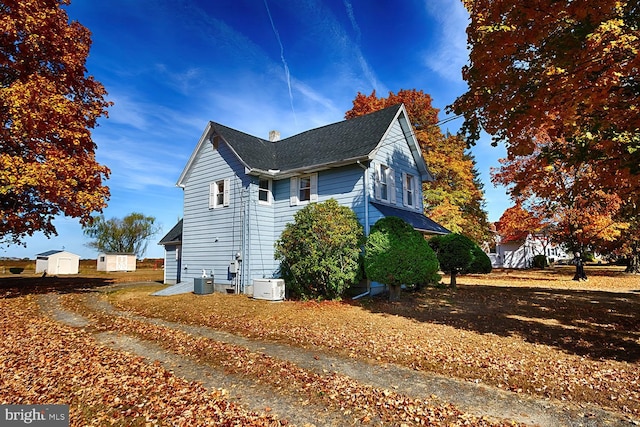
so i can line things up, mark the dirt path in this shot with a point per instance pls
(474, 399)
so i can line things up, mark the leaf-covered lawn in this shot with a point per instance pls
(43, 362)
(528, 332)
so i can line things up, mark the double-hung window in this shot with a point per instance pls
(409, 193)
(264, 191)
(219, 193)
(385, 189)
(304, 189)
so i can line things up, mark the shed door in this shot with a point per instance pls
(121, 262)
(64, 266)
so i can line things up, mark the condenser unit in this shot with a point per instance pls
(268, 289)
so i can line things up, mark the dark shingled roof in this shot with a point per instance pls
(173, 236)
(418, 220)
(349, 139)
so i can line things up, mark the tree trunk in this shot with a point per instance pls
(633, 264)
(454, 273)
(394, 293)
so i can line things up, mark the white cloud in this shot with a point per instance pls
(450, 53)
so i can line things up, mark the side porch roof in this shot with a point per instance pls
(418, 220)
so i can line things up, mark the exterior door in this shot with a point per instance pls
(121, 262)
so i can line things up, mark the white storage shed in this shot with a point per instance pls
(57, 262)
(116, 261)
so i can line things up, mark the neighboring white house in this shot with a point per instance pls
(116, 261)
(57, 262)
(519, 254)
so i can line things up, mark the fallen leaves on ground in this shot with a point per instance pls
(43, 362)
(545, 335)
(361, 403)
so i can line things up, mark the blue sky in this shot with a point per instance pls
(254, 65)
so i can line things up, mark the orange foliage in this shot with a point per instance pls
(516, 223)
(47, 108)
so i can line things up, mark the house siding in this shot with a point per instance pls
(258, 246)
(210, 237)
(399, 158)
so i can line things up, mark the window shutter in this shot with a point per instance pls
(392, 186)
(226, 198)
(293, 191)
(376, 181)
(405, 188)
(212, 195)
(314, 188)
(418, 193)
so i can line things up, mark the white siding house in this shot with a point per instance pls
(240, 190)
(519, 254)
(57, 262)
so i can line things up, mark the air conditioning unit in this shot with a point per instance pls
(268, 289)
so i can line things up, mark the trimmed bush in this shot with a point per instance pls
(458, 254)
(396, 254)
(320, 251)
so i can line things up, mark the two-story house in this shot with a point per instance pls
(241, 190)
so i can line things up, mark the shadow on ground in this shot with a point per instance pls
(592, 324)
(11, 287)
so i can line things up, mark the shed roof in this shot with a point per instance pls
(49, 253)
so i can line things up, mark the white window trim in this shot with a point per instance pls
(416, 191)
(391, 183)
(294, 190)
(269, 200)
(213, 194)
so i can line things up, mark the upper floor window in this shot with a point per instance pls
(219, 193)
(264, 191)
(385, 188)
(304, 189)
(409, 190)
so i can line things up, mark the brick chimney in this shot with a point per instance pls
(274, 136)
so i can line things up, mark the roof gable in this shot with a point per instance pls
(173, 236)
(332, 145)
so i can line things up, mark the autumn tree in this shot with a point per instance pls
(555, 70)
(561, 191)
(455, 199)
(126, 235)
(516, 224)
(48, 106)
(557, 83)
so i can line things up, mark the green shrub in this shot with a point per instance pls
(458, 254)
(396, 254)
(319, 252)
(540, 261)
(481, 262)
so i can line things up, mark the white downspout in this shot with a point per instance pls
(365, 197)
